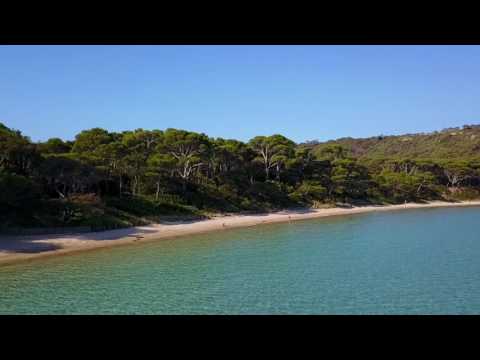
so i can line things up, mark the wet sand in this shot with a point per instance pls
(14, 249)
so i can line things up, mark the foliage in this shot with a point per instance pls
(455, 143)
(107, 179)
(19, 196)
(309, 192)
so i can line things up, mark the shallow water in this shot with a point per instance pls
(402, 262)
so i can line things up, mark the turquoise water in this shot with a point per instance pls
(405, 262)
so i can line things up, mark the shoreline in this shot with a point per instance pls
(15, 249)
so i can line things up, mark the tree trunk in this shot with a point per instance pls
(158, 190)
(135, 185)
(120, 183)
(419, 189)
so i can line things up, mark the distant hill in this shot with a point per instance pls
(451, 143)
(5, 129)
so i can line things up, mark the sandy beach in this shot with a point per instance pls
(14, 249)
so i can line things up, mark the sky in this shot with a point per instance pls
(301, 92)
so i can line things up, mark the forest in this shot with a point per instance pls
(108, 179)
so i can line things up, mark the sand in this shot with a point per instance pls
(15, 249)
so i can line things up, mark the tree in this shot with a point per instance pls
(54, 146)
(226, 158)
(17, 154)
(66, 175)
(139, 144)
(333, 152)
(456, 172)
(402, 186)
(113, 155)
(272, 152)
(88, 141)
(160, 166)
(407, 166)
(309, 192)
(349, 180)
(304, 166)
(188, 150)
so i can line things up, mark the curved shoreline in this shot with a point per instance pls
(25, 248)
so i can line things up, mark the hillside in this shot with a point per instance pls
(452, 143)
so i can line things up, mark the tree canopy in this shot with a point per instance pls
(129, 177)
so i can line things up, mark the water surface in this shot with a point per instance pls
(402, 262)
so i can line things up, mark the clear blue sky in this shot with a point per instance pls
(302, 92)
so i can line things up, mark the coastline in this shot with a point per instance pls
(15, 249)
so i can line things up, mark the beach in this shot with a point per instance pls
(15, 249)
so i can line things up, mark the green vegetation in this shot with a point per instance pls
(108, 180)
(453, 143)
